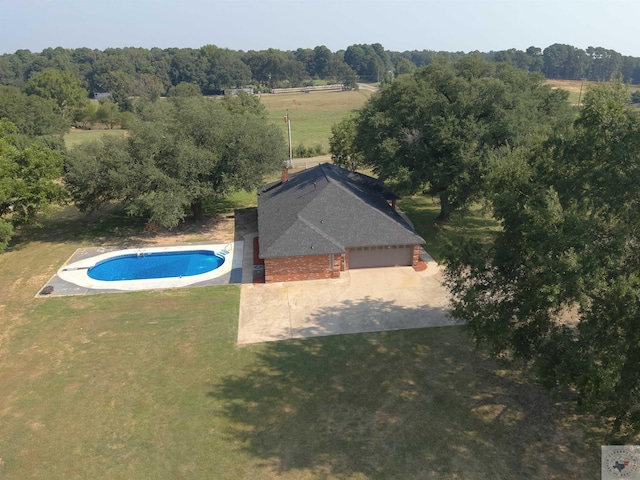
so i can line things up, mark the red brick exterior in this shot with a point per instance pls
(416, 256)
(311, 267)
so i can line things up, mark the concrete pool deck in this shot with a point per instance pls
(63, 283)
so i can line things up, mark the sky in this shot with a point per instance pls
(399, 25)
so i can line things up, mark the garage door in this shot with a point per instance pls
(371, 257)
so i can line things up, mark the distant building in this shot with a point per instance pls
(100, 95)
(236, 91)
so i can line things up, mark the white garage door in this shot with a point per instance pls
(371, 257)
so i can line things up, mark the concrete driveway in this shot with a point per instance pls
(367, 300)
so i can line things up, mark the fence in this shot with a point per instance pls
(336, 87)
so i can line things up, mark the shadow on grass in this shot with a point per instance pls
(68, 225)
(113, 226)
(404, 404)
(423, 210)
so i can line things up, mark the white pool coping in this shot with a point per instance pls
(77, 272)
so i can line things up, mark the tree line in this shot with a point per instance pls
(132, 71)
(558, 62)
(127, 72)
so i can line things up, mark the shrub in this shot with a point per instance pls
(300, 151)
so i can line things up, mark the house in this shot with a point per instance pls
(101, 95)
(324, 220)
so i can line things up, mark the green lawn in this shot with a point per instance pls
(151, 385)
(424, 209)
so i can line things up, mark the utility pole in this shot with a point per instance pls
(288, 122)
(580, 95)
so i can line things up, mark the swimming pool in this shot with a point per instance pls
(142, 266)
(152, 267)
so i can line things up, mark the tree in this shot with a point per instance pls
(29, 171)
(536, 61)
(564, 61)
(370, 62)
(340, 72)
(183, 152)
(434, 130)
(31, 114)
(184, 89)
(63, 88)
(558, 287)
(244, 103)
(103, 171)
(404, 66)
(321, 57)
(147, 87)
(87, 116)
(305, 56)
(187, 66)
(342, 144)
(120, 85)
(267, 66)
(107, 113)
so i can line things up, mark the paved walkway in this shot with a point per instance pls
(367, 300)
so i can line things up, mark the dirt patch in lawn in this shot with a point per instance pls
(216, 229)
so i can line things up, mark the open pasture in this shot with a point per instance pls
(578, 88)
(312, 114)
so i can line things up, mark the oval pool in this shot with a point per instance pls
(142, 266)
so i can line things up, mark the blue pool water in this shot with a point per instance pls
(156, 265)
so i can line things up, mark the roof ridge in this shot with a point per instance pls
(399, 220)
(321, 165)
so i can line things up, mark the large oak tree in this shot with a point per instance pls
(182, 153)
(29, 173)
(559, 287)
(436, 129)
(61, 87)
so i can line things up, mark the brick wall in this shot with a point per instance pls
(416, 256)
(312, 267)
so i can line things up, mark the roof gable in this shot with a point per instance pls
(327, 209)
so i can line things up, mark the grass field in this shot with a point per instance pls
(77, 136)
(577, 88)
(312, 114)
(151, 385)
